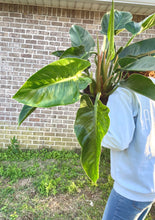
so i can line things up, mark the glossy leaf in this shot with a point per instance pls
(79, 36)
(141, 85)
(139, 48)
(138, 27)
(58, 83)
(120, 19)
(77, 52)
(91, 125)
(126, 61)
(148, 22)
(25, 112)
(133, 27)
(58, 53)
(144, 64)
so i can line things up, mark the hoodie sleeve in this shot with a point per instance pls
(122, 123)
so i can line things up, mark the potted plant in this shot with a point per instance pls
(69, 79)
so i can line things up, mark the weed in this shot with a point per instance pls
(46, 185)
(72, 188)
(7, 190)
(14, 146)
(13, 216)
(4, 209)
(11, 171)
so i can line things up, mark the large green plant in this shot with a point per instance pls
(69, 79)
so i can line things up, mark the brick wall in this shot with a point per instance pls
(28, 35)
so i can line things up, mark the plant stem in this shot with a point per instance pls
(130, 41)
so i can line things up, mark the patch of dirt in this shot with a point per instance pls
(67, 203)
(24, 182)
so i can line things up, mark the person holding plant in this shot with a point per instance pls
(131, 139)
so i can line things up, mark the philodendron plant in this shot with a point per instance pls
(69, 79)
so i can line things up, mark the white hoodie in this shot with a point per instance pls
(131, 138)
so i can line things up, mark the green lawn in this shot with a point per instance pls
(46, 184)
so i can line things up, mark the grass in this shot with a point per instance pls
(46, 185)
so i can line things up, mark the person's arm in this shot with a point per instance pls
(122, 123)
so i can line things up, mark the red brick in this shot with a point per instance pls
(14, 14)
(31, 41)
(88, 21)
(54, 23)
(26, 36)
(7, 29)
(6, 39)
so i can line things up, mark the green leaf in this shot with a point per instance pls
(141, 85)
(77, 52)
(142, 64)
(91, 124)
(25, 112)
(126, 61)
(139, 48)
(133, 27)
(139, 27)
(58, 53)
(110, 34)
(120, 19)
(58, 83)
(79, 36)
(148, 22)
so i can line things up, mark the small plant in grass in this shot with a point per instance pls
(7, 190)
(72, 188)
(13, 216)
(13, 172)
(14, 146)
(46, 185)
(69, 79)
